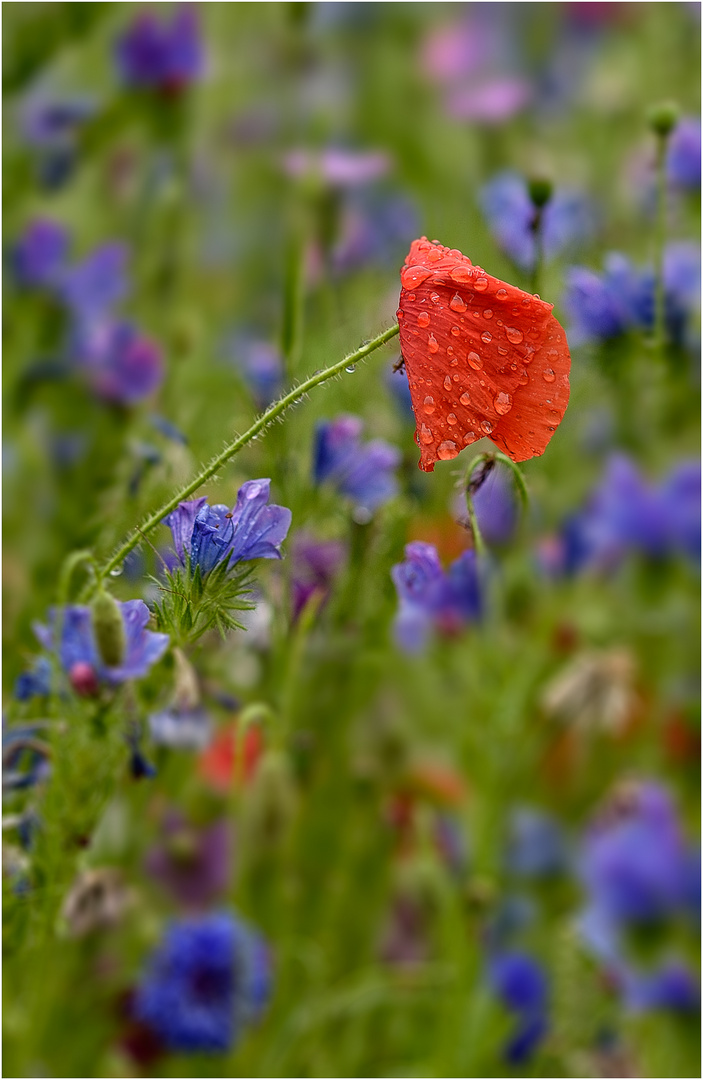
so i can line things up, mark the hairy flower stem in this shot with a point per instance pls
(488, 459)
(266, 418)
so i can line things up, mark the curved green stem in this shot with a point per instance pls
(266, 418)
(481, 459)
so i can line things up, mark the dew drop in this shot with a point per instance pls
(435, 298)
(502, 293)
(548, 375)
(465, 398)
(481, 284)
(487, 426)
(486, 338)
(434, 255)
(350, 369)
(454, 362)
(514, 335)
(475, 361)
(447, 383)
(432, 344)
(503, 403)
(523, 378)
(423, 319)
(470, 437)
(117, 571)
(502, 351)
(428, 406)
(526, 302)
(426, 435)
(455, 378)
(447, 450)
(455, 331)
(488, 314)
(412, 276)
(461, 274)
(399, 314)
(451, 418)
(457, 304)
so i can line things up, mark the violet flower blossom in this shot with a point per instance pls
(364, 472)
(156, 54)
(432, 599)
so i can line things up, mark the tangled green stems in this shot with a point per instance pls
(482, 459)
(259, 425)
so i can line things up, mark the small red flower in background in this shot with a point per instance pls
(218, 764)
(483, 358)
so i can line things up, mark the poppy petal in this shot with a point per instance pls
(482, 358)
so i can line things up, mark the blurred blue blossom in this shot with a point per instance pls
(512, 217)
(431, 598)
(683, 163)
(521, 984)
(122, 364)
(39, 256)
(496, 507)
(51, 126)
(70, 635)
(364, 472)
(672, 987)
(89, 289)
(34, 683)
(193, 865)
(336, 166)
(160, 55)
(181, 727)
(25, 756)
(606, 306)
(208, 978)
(376, 228)
(261, 364)
(210, 535)
(316, 564)
(536, 845)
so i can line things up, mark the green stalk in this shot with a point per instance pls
(266, 418)
(659, 243)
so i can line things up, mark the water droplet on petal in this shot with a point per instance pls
(451, 418)
(447, 383)
(412, 276)
(447, 450)
(465, 398)
(548, 375)
(455, 331)
(434, 255)
(488, 314)
(481, 284)
(486, 338)
(470, 437)
(502, 293)
(426, 435)
(423, 319)
(428, 406)
(455, 362)
(457, 304)
(435, 298)
(487, 426)
(461, 274)
(503, 403)
(513, 335)
(475, 361)
(523, 378)
(432, 344)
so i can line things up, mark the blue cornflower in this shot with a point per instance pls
(683, 162)
(70, 634)
(160, 55)
(39, 256)
(210, 535)
(512, 216)
(431, 598)
(364, 472)
(207, 979)
(521, 984)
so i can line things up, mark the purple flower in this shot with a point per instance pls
(207, 979)
(192, 864)
(635, 864)
(70, 635)
(492, 101)
(512, 218)
(51, 123)
(672, 987)
(39, 256)
(680, 499)
(536, 845)
(91, 288)
(34, 683)
(432, 599)
(496, 507)
(181, 728)
(338, 168)
(362, 472)
(261, 364)
(375, 229)
(521, 984)
(207, 536)
(316, 564)
(159, 55)
(26, 759)
(122, 365)
(683, 163)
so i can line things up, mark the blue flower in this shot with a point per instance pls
(39, 256)
(160, 55)
(70, 635)
(521, 984)
(375, 229)
(181, 728)
(683, 162)
(34, 683)
(210, 535)
(51, 127)
(261, 364)
(25, 756)
(122, 365)
(92, 287)
(432, 599)
(207, 979)
(536, 845)
(511, 215)
(364, 472)
(496, 507)
(672, 987)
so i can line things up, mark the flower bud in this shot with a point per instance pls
(663, 117)
(108, 627)
(83, 679)
(540, 190)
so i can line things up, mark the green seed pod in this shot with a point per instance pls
(108, 627)
(540, 190)
(663, 117)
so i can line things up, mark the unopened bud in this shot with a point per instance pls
(108, 627)
(83, 679)
(187, 688)
(663, 117)
(540, 190)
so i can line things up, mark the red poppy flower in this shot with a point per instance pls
(482, 358)
(220, 763)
